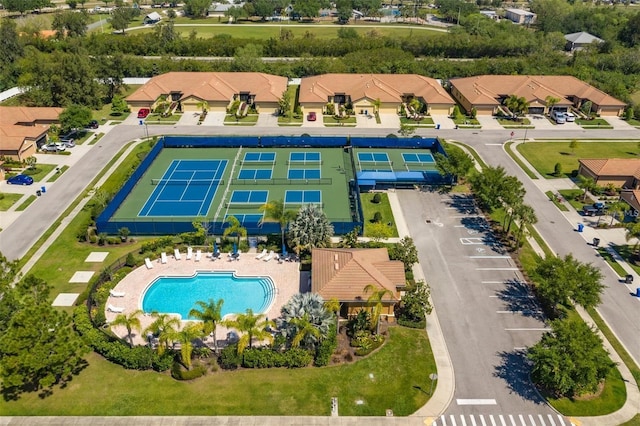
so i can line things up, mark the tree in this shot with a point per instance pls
(250, 326)
(569, 360)
(491, 188)
(586, 184)
(196, 8)
(130, 322)
(305, 310)
(305, 330)
(633, 232)
(284, 104)
(234, 13)
(617, 208)
(275, 211)
(121, 17)
(586, 107)
(455, 164)
(31, 162)
(527, 216)
(118, 106)
(248, 58)
(376, 105)
(185, 337)
(333, 305)
(406, 252)
(375, 302)
(263, 9)
(310, 229)
(204, 106)
(406, 130)
(75, 117)
(551, 102)
(573, 145)
(517, 105)
(345, 11)
(210, 313)
(164, 326)
(561, 280)
(307, 8)
(350, 239)
(70, 23)
(234, 228)
(415, 304)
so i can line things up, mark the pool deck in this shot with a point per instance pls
(286, 277)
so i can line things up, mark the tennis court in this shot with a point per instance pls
(249, 197)
(299, 197)
(186, 188)
(259, 157)
(305, 157)
(421, 158)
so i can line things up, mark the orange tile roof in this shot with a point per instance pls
(389, 88)
(14, 115)
(612, 166)
(212, 86)
(488, 89)
(13, 135)
(343, 273)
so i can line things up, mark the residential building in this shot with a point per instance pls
(362, 91)
(487, 93)
(621, 172)
(24, 129)
(191, 91)
(578, 41)
(343, 273)
(520, 16)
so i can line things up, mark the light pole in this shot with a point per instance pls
(146, 129)
(524, 139)
(433, 377)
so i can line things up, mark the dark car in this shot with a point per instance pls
(93, 124)
(143, 112)
(311, 116)
(597, 209)
(20, 180)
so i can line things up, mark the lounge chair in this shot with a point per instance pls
(114, 293)
(148, 263)
(261, 255)
(280, 258)
(268, 258)
(176, 254)
(163, 257)
(215, 255)
(189, 253)
(198, 256)
(115, 309)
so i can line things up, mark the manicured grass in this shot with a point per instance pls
(96, 139)
(26, 203)
(104, 114)
(554, 199)
(55, 177)
(633, 122)
(396, 377)
(571, 194)
(596, 122)
(369, 209)
(330, 120)
(424, 121)
(522, 122)
(40, 171)
(173, 118)
(7, 200)
(544, 155)
(293, 121)
(611, 261)
(519, 161)
(466, 121)
(633, 422)
(249, 120)
(627, 253)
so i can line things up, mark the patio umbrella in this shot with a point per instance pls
(215, 247)
(284, 250)
(235, 248)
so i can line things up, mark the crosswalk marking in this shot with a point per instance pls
(502, 420)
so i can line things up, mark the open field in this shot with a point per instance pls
(544, 155)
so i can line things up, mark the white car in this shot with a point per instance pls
(569, 116)
(53, 147)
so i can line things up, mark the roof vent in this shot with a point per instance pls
(336, 266)
(335, 257)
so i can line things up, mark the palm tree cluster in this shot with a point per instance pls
(304, 320)
(310, 229)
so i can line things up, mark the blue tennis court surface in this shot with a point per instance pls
(186, 189)
(304, 157)
(246, 217)
(304, 174)
(370, 157)
(418, 158)
(255, 174)
(303, 196)
(260, 157)
(249, 197)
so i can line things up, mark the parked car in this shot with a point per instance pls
(53, 147)
(311, 116)
(597, 209)
(569, 117)
(68, 140)
(559, 117)
(20, 180)
(93, 124)
(143, 112)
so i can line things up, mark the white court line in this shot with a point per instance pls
(477, 401)
(490, 257)
(497, 269)
(527, 329)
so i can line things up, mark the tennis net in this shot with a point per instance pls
(187, 182)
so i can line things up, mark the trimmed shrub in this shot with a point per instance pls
(411, 324)
(179, 373)
(557, 169)
(156, 244)
(262, 358)
(377, 198)
(377, 217)
(297, 358)
(326, 348)
(229, 358)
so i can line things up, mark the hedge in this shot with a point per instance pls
(178, 373)
(412, 324)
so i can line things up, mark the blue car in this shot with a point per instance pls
(20, 180)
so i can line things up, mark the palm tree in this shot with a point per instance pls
(333, 305)
(307, 332)
(633, 231)
(551, 102)
(275, 211)
(527, 216)
(310, 229)
(164, 326)
(235, 228)
(130, 321)
(375, 301)
(617, 208)
(376, 105)
(186, 336)
(517, 105)
(250, 326)
(210, 313)
(204, 105)
(586, 184)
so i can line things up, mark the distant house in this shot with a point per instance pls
(220, 9)
(491, 14)
(343, 273)
(520, 16)
(23, 130)
(189, 90)
(632, 197)
(621, 172)
(362, 90)
(152, 18)
(486, 93)
(577, 41)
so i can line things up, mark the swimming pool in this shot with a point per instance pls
(178, 295)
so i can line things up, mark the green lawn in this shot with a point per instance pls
(554, 199)
(7, 200)
(26, 203)
(596, 122)
(626, 252)
(249, 120)
(104, 114)
(571, 194)
(424, 121)
(396, 377)
(330, 120)
(173, 118)
(544, 155)
(521, 123)
(466, 121)
(611, 261)
(520, 163)
(40, 171)
(369, 209)
(55, 177)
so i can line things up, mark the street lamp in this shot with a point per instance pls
(146, 129)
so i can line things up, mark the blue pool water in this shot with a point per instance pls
(178, 295)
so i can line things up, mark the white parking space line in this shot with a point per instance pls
(477, 401)
(472, 240)
(520, 348)
(444, 421)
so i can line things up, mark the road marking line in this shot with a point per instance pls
(478, 401)
(527, 329)
(491, 282)
(473, 421)
(482, 420)
(502, 420)
(497, 269)
(464, 422)
(551, 420)
(513, 422)
(493, 144)
(465, 216)
(444, 421)
(562, 423)
(542, 420)
(521, 417)
(453, 420)
(533, 422)
(490, 257)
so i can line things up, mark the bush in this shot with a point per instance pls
(326, 348)
(557, 169)
(297, 358)
(179, 373)
(131, 260)
(377, 217)
(156, 244)
(412, 324)
(262, 358)
(377, 198)
(229, 358)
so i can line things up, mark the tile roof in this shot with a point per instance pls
(632, 198)
(343, 273)
(13, 135)
(389, 88)
(612, 166)
(582, 38)
(488, 89)
(15, 115)
(212, 86)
